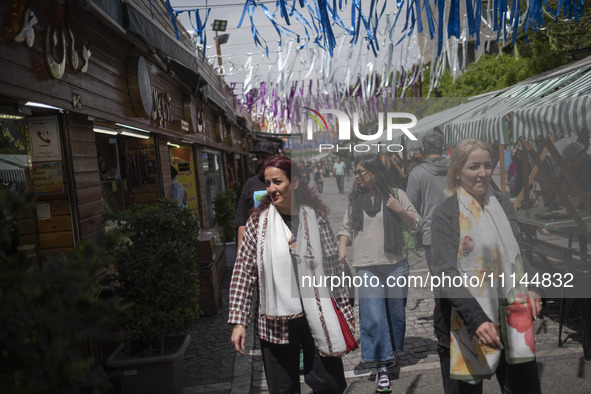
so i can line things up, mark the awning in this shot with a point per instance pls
(493, 121)
(142, 24)
(563, 112)
(151, 31)
(12, 168)
(429, 123)
(211, 94)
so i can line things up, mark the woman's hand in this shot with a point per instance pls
(487, 334)
(394, 204)
(536, 303)
(239, 338)
(343, 247)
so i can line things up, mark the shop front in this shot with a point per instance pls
(96, 109)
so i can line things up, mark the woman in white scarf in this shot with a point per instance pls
(288, 249)
(484, 329)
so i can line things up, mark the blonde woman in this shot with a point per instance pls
(482, 330)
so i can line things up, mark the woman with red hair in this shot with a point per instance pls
(288, 247)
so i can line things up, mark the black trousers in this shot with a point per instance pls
(512, 378)
(282, 364)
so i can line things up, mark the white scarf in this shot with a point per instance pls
(281, 296)
(487, 246)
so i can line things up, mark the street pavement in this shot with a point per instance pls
(212, 365)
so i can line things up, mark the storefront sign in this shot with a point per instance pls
(47, 178)
(45, 139)
(140, 86)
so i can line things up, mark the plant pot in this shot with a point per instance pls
(149, 375)
(230, 254)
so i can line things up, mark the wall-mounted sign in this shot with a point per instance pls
(45, 139)
(47, 178)
(140, 87)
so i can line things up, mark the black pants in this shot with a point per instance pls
(282, 364)
(512, 378)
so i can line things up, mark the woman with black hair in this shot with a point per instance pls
(378, 222)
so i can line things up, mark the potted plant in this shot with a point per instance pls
(49, 312)
(225, 210)
(156, 273)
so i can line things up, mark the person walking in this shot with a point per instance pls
(487, 329)
(426, 186)
(254, 188)
(378, 220)
(289, 237)
(319, 177)
(339, 171)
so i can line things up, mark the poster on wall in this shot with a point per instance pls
(182, 160)
(47, 178)
(45, 139)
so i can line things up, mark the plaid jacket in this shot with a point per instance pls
(245, 279)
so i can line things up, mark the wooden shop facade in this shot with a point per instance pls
(98, 100)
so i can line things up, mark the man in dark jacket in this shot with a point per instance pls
(426, 185)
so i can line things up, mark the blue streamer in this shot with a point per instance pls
(477, 17)
(470, 15)
(453, 24)
(515, 18)
(441, 6)
(429, 14)
(172, 18)
(250, 5)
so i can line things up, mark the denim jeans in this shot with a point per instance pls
(382, 315)
(341, 183)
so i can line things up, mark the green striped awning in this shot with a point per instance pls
(563, 112)
(493, 122)
(541, 88)
(429, 123)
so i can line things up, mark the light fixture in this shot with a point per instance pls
(105, 130)
(41, 105)
(219, 25)
(173, 145)
(132, 128)
(132, 134)
(11, 117)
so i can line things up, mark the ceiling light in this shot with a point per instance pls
(132, 128)
(173, 145)
(104, 130)
(40, 105)
(136, 135)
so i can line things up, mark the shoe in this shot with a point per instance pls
(383, 382)
(545, 231)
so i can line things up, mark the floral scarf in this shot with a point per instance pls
(488, 251)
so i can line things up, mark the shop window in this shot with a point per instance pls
(212, 179)
(185, 184)
(14, 169)
(128, 171)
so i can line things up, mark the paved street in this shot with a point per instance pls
(212, 366)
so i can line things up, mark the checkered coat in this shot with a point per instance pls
(245, 279)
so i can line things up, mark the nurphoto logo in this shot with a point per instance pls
(344, 130)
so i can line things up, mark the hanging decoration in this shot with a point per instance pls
(382, 47)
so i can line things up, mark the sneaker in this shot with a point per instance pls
(383, 382)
